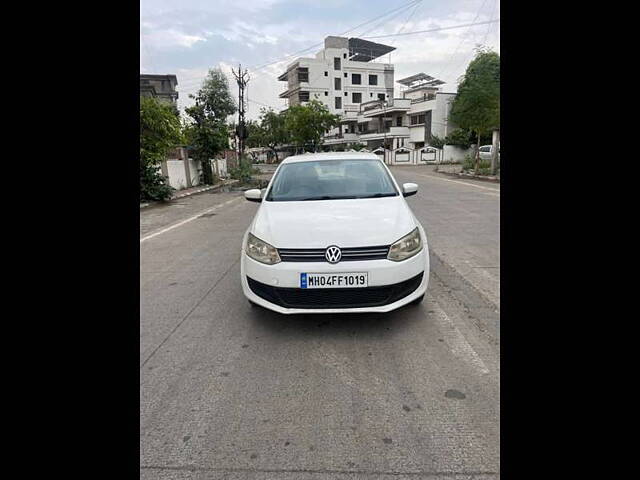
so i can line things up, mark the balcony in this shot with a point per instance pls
(390, 132)
(375, 108)
(425, 98)
(349, 116)
(344, 138)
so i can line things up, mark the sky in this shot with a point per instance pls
(188, 37)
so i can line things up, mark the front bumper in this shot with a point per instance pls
(395, 278)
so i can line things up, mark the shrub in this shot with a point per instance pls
(160, 131)
(153, 186)
(243, 171)
(468, 163)
(459, 138)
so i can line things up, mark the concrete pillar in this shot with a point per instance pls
(164, 170)
(494, 151)
(187, 171)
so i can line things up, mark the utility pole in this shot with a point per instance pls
(242, 78)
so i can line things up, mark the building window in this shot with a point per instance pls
(345, 74)
(345, 94)
(373, 79)
(303, 96)
(370, 94)
(398, 121)
(338, 103)
(344, 55)
(356, 97)
(303, 74)
(326, 94)
(336, 63)
(356, 79)
(417, 119)
(337, 84)
(381, 96)
(326, 74)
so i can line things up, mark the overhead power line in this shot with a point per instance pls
(462, 40)
(411, 15)
(403, 7)
(435, 29)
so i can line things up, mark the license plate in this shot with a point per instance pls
(334, 280)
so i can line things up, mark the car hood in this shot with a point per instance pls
(346, 223)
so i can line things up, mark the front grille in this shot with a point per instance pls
(348, 254)
(335, 297)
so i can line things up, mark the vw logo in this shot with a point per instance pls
(333, 254)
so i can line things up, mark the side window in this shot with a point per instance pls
(337, 84)
(338, 102)
(336, 63)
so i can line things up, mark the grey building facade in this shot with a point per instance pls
(162, 87)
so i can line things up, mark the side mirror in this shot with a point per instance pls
(253, 195)
(409, 189)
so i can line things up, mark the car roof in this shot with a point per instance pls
(314, 157)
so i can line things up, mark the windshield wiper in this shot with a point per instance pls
(328, 197)
(378, 195)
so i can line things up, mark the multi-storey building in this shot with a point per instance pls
(410, 120)
(342, 75)
(162, 87)
(347, 79)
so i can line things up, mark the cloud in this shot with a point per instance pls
(191, 36)
(166, 39)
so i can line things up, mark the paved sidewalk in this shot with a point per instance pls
(193, 190)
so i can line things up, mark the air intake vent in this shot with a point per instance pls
(348, 254)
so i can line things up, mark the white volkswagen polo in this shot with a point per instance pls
(334, 234)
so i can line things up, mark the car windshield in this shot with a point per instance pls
(331, 180)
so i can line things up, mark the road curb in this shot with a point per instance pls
(468, 176)
(200, 190)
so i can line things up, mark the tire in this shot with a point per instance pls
(418, 300)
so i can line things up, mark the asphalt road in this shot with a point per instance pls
(231, 392)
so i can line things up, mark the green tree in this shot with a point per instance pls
(477, 105)
(308, 123)
(436, 142)
(271, 132)
(459, 137)
(160, 131)
(208, 132)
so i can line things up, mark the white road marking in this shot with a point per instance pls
(190, 219)
(457, 342)
(463, 183)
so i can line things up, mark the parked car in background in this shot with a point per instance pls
(485, 152)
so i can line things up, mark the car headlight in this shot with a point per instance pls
(261, 251)
(406, 247)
